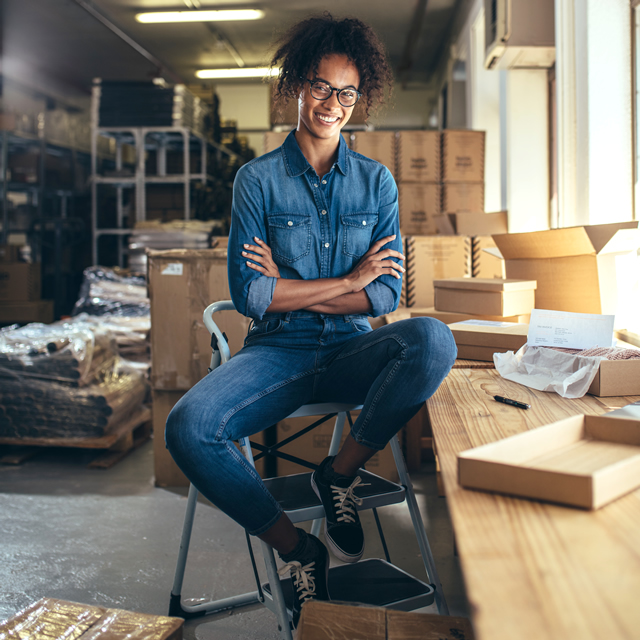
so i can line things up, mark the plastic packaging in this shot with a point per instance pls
(103, 291)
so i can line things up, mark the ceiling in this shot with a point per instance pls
(70, 42)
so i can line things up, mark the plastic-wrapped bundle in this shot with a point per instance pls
(32, 408)
(103, 291)
(72, 353)
(131, 333)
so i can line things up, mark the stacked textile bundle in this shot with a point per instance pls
(64, 380)
(32, 408)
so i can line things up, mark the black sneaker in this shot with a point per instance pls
(342, 528)
(309, 574)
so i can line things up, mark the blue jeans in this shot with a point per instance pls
(294, 359)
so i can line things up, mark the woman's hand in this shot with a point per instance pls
(261, 255)
(374, 263)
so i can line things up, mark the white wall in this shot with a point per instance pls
(408, 109)
(595, 134)
(527, 148)
(248, 104)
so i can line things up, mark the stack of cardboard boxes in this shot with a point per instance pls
(20, 290)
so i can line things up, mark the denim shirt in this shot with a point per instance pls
(316, 228)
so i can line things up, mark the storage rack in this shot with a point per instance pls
(159, 139)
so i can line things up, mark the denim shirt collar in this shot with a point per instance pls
(297, 164)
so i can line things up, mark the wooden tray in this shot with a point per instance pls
(584, 461)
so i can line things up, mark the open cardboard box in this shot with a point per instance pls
(479, 339)
(582, 461)
(485, 296)
(591, 269)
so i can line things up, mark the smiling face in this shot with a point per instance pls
(325, 118)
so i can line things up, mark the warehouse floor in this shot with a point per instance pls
(111, 538)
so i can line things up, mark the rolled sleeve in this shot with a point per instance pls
(260, 296)
(251, 291)
(384, 292)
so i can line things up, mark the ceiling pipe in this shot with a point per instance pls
(161, 66)
(412, 41)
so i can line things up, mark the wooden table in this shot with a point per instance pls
(533, 570)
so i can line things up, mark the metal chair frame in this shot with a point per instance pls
(275, 599)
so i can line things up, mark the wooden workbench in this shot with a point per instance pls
(533, 570)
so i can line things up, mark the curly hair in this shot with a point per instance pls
(306, 43)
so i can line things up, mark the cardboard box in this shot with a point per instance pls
(583, 461)
(472, 224)
(418, 154)
(20, 281)
(480, 339)
(430, 258)
(167, 473)
(483, 263)
(463, 156)
(50, 618)
(273, 140)
(25, 312)
(591, 269)
(485, 296)
(462, 197)
(419, 205)
(182, 283)
(314, 447)
(617, 378)
(9, 253)
(331, 621)
(378, 145)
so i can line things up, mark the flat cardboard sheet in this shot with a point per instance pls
(48, 619)
(583, 461)
(338, 621)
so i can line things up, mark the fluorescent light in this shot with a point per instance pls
(245, 72)
(199, 16)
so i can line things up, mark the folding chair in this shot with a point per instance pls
(375, 582)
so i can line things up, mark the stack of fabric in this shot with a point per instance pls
(64, 380)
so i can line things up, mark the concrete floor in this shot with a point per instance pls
(110, 538)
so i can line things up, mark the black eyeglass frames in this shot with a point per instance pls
(321, 90)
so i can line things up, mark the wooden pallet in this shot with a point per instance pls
(123, 439)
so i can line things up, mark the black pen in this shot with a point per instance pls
(513, 403)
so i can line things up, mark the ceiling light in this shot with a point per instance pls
(199, 16)
(245, 72)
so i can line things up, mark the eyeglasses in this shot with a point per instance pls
(323, 91)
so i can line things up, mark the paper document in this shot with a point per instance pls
(569, 330)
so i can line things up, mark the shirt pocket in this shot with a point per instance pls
(290, 235)
(357, 230)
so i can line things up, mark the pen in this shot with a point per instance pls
(513, 403)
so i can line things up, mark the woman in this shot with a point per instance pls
(314, 249)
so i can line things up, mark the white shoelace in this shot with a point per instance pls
(303, 580)
(346, 500)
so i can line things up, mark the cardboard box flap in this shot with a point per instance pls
(188, 254)
(614, 238)
(571, 241)
(485, 284)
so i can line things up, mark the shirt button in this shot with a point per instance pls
(326, 245)
(363, 222)
(324, 182)
(315, 184)
(323, 212)
(290, 223)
